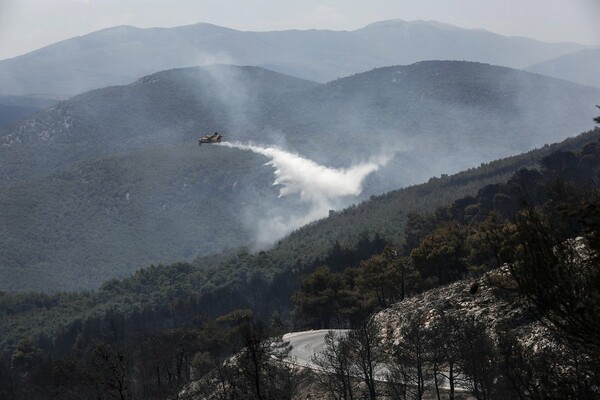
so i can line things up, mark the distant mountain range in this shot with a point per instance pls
(122, 54)
(112, 180)
(581, 66)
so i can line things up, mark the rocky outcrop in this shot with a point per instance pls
(489, 299)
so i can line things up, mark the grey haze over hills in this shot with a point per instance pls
(443, 104)
(15, 108)
(120, 55)
(112, 180)
(581, 66)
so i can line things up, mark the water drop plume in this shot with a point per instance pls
(321, 187)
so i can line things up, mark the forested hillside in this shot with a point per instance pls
(453, 114)
(411, 111)
(171, 107)
(361, 230)
(125, 161)
(102, 219)
(386, 214)
(202, 312)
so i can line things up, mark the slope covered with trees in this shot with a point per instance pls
(191, 307)
(88, 153)
(387, 214)
(101, 219)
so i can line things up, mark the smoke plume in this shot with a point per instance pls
(320, 187)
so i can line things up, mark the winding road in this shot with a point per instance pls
(306, 344)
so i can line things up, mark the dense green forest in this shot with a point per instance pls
(116, 336)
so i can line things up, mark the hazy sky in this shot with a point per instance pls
(26, 25)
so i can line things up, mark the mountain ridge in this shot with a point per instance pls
(580, 67)
(251, 103)
(63, 69)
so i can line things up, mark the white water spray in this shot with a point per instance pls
(321, 187)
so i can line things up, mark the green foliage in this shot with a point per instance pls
(442, 254)
(416, 228)
(378, 278)
(321, 296)
(462, 234)
(328, 299)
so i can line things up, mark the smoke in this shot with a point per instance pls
(319, 187)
